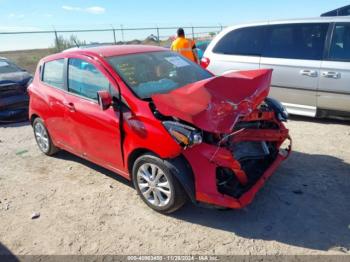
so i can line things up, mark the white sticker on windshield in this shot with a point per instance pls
(3, 63)
(177, 61)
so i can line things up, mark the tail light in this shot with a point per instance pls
(205, 62)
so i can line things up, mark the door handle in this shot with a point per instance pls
(311, 73)
(334, 75)
(70, 107)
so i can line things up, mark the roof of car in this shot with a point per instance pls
(116, 50)
(328, 19)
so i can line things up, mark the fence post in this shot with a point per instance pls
(115, 39)
(57, 41)
(158, 39)
(193, 33)
(122, 31)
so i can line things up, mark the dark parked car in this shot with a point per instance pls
(13, 92)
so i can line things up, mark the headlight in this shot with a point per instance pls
(280, 110)
(183, 134)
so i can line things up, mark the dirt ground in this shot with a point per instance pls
(84, 209)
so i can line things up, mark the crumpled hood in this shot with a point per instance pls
(216, 103)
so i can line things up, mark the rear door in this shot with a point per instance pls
(94, 132)
(239, 49)
(53, 90)
(294, 52)
(334, 87)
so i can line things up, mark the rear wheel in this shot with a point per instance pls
(156, 184)
(43, 138)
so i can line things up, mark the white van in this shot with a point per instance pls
(310, 59)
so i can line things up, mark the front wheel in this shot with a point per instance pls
(156, 184)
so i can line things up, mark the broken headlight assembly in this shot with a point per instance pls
(280, 110)
(185, 135)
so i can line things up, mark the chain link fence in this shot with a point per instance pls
(27, 47)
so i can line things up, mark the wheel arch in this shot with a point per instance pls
(32, 118)
(179, 166)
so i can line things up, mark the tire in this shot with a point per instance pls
(167, 189)
(42, 138)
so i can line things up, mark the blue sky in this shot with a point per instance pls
(19, 15)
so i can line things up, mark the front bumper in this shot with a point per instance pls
(14, 108)
(205, 159)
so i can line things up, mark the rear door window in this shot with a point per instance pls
(340, 46)
(84, 79)
(244, 41)
(296, 41)
(53, 73)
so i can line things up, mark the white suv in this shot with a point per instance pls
(310, 58)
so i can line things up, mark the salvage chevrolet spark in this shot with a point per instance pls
(156, 118)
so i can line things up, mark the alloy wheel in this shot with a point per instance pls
(41, 136)
(154, 184)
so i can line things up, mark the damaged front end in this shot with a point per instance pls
(232, 134)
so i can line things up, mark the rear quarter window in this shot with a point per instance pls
(243, 41)
(53, 72)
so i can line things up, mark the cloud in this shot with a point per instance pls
(97, 10)
(71, 8)
(13, 15)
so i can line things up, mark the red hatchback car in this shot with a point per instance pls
(156, 118)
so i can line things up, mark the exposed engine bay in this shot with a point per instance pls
(253, 156)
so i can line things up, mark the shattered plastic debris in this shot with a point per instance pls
(35, 215)
(21, 152)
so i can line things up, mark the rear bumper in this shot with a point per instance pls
(205, 159)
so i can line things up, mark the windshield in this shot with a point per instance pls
(7, 67)
(156, 72)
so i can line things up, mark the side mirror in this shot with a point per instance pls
(104, 99)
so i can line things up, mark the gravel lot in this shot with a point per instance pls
(84, 209)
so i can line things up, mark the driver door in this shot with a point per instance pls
(93, 132)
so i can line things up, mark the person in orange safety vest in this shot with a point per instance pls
(184, 46)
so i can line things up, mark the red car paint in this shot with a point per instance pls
(213, 105)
